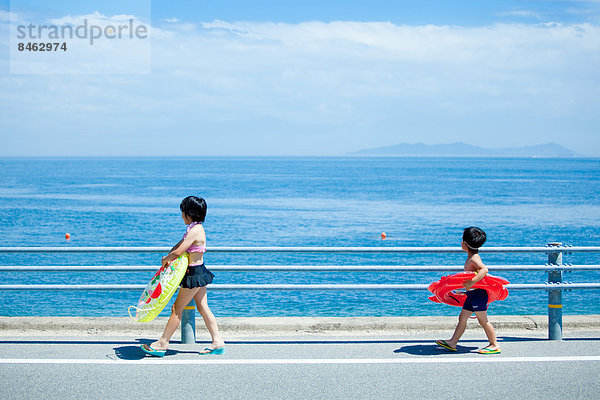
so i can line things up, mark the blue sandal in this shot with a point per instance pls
(146, 348)
(218, 351)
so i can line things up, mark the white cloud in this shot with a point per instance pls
(521, 13)
(9, 16)
(94, 18)
(4, 16)
(381, 59)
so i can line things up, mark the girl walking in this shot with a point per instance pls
(193, 285)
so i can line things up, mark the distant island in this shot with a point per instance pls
(460, 149)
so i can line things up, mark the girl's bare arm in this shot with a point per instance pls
(174, 247)
(180, 248)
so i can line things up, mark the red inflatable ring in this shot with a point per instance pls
(445, 290)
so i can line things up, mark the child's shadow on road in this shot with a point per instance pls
(135, 352)
(431, 350)
(129, 353)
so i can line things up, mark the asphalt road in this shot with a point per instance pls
(302, 367)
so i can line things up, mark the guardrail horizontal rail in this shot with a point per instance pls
(554, 249)
(294, 268)
(517, 286)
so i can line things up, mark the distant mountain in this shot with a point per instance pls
(460, 149)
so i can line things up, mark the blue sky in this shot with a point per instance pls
(440, 12)
(317, 78)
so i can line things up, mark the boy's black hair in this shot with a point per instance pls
(194, 207)
(474, 238)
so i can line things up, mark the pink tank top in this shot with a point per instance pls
(192, 248)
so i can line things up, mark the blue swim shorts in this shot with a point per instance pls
(477, 300)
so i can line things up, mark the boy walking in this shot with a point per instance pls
(477, 299)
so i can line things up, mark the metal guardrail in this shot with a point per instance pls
(307, 249)
(295, 286)
(296, 268)
(554, 267)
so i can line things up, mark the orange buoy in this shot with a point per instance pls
(383, 235)
(67, 236)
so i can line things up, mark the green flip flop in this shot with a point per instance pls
(487, 350)
(444, 344)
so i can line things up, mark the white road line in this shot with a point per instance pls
(214, 361)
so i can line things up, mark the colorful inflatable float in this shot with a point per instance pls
(450, 290)
(159, 290)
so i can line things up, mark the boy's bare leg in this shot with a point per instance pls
(183, 298)
(463, 317)
(488, 328)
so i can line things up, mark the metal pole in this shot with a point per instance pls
(188, 323)
(555, 295)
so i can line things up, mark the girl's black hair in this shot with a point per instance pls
(194, 207)
(474, 237)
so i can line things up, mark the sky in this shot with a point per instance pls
(317, 78)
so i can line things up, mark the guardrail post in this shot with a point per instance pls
(555, 296)
(188, 323)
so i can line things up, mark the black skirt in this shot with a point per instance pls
(196, 276)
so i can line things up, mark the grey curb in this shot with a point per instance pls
(10, 326)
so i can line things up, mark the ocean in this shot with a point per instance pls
(296, 201)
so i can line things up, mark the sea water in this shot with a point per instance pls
(299, 201)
